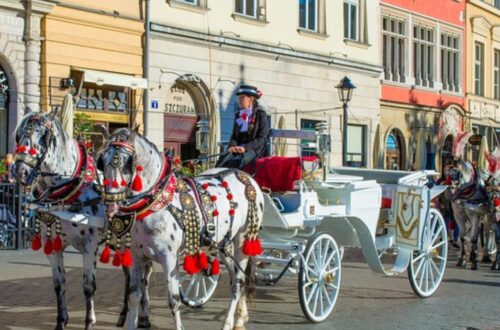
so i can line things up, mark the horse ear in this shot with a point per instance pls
(102, 129)
(169, 153)
(54, 112)
(135, 129)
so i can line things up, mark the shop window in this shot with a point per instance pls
(394, 49)
(423, 56)
(356, 146)
(308, 125)
(104, 98)
(450, 62)
(479, 69)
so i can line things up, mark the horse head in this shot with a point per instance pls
(130, 166)
(35, 137)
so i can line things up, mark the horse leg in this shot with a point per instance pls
(89, 255)
(59, 279)
(143, 311)
(168, 262)
(123, 313)
(458, 211)
(474, 240)
(496, 262)
(134, 293)
(246, 295)
(237, 285)
(487, 240)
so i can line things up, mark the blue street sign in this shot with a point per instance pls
(154, 104)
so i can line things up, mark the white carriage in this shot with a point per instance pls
(305, 230)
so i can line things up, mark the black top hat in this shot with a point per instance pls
(249, 90)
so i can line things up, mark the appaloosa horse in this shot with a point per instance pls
(61, 176)
(493, 190)
(157, 214)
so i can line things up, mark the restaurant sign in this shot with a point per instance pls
(178, 101)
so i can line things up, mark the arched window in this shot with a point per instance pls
(394, 150)
(4, 112)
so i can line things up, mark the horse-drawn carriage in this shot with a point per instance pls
(303, 228)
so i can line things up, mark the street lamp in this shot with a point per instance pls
(345, 88)
(323, 144)
(202, 137)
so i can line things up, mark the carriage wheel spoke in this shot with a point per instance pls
(420, 256)
(327, 295)
(333, 270)
(316, 296)
(320, 298)
(438, 244)
(335, 287)
(311, 293)
(330, 257)
(419, 266)
(189, 288)
(324, 254)
(437, 234)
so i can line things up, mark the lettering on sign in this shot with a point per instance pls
(178, 101)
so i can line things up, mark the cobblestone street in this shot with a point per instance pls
(465, 300)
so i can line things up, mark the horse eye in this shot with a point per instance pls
(100, 163)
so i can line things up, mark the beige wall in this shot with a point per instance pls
(77, 36)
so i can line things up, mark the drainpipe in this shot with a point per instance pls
(146, 67)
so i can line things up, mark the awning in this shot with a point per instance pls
(111, 78)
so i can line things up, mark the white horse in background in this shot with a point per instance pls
(61, 176)
(493, 191)
(219, 211)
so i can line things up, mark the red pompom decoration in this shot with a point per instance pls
(36, 243)
(215, 268)
(32, 151)
(496, 202)
(115, 184)
(105, 255)
(57, 245)
(230, 196)
(177, 161)
(106, 182)
(123, 183)
(190, 265)
(139, 168)
(213, 198)
(231, 212)
(137, 183)
(48, 248)
(205, 186)
(224, 184)
(127, 259)
(117, 260)
(22, 149)
(202, 261)
(215, 213)
(252, 248)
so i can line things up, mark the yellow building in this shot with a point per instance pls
(483, 68)
(93, 49)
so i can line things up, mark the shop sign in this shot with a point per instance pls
(178, 101)
(106, 117)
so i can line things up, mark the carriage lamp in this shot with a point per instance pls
(202, 136)
(345, 88)
(323, 143)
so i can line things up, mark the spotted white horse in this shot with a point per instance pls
(61, 176)
(470, 203)
(493, 191)
(219, 212)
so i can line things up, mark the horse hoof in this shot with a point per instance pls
(475, 266)
(495, 266)
(486, 259)
(121, 321)
(461, 263)
(143, 322)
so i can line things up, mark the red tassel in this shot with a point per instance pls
(48, 248)
(213, 198)
(127, 258)
(32, 151)
(190, 265)
(496, 202)
(58, 246)
(224, 184)
(36, 243)
(205, 186)
(215, 213)
(106, 182)
(115, 184)
(123, 183)
(139, 168)
(230, 196)
(252, 248)
(22, 149)
(137, 183)
(202, 261)
(105, 255)
(117, 260)
(231, 212)
(215, 267)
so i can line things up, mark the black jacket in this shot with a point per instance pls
(258, 132)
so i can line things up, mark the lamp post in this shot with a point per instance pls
(345, 88)
(323, 144)
(202, 137)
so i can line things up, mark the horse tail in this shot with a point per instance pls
(250, 279)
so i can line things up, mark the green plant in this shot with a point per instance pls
(82, 126)
(3, 167)
(193, 168)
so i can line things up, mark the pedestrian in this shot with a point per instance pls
(250, 131)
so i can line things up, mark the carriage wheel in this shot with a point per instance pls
(196, 290)
(427, 265)
(319, 277)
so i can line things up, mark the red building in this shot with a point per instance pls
(423, 83)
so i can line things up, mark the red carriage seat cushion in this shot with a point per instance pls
(278, 173)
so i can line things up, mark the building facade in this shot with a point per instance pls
(93, 50)
(422, 104)
(295, 51)
(483, 69)
(20, 41)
